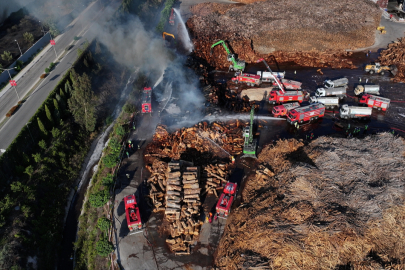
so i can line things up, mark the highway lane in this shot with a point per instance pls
(30, 76)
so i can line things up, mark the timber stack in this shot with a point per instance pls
(214, 177)
(395, 55)
(157, 184)
(183, 207)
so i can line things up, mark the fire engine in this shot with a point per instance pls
(172, 16)
(307, 113)
(282, 110)
(226, 199)
(375, 102)
(147, 100)
(249, 79)
(132, 213)
(281, 96)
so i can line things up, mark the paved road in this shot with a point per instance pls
(29, 76)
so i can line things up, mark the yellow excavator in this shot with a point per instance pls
(379, 69)
(167, 34)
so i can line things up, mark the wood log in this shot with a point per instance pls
(172, 187)
(161, 185)
(174, 174)
(217, 176)
(173, 205)
(174, 183)
(173, 192)
(191, 186)
(191, 196)
(190, 182)
(170, 241)
(171, 210)
(172, 197)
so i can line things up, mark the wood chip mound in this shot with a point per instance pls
(336, 202)
(395, 55)
(263, 28)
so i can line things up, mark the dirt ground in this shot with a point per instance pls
(332, 203)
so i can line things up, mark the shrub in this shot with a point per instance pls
(43, 76)
(103, 224)
(47, 70)
(51, 65)
(111, 160)
(129, 108)
(99, 198)
(12, 110)
(104, 247)
(120, 131)
(28, 37)
(6, 56)
(19, 65)
(108, 180)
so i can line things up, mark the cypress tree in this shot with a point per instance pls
(57, 115)
(62, 94)
(68, 87)
(55, 103)
(48, 114)
(42, 127)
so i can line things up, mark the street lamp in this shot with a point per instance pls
(53, 45)
(42, 27)
(8, 70)
(18, 46)
(30, 131)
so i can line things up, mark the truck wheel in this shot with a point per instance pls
(236, 82)
(379, 109)
(371, 72)
(382, 72)
(301, 121)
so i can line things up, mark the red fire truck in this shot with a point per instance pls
(375, 102)
(306, 113)
(172, 16)
(249, 79)
(282, 110)
(147, 100)
(226, 199)
(132, 213)
(281, 96)
(289, 84)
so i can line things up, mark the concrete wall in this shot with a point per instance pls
(34, 48)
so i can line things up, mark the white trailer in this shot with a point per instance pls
(329, 102)
(336, 83)
(267, 76)
(347, 112)
(326, 92)
(367, 89)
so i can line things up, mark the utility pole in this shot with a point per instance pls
(53, 45)
(18, 46)
(8, 70)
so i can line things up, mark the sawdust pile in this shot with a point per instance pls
(294, 27)
(395, 55)
(336, 202)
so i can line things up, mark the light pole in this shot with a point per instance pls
(18, 46)
(42, 28)
(53, 46)
(8, 70)
(30, 131)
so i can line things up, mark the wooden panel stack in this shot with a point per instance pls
(173, 191)
(214, 177)
(185, 224)
(157, 184)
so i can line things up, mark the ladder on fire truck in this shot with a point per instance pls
(271, 74)
(249, 147)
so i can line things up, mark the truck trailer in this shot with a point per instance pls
(132, 214)
(329, 102)
(326, 92)
(226, 199)
(289, 84)
(367, 89)
(269, 76)
(283, 109)
(249, 79)
(379, 103)
(347, 112)
(307, 113)
(280, 96)
(336, 83)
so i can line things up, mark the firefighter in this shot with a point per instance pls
(233, 160)
(210, 219)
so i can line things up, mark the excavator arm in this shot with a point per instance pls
(223, 45)
(238, 65)
(167, 34)
(271, 73)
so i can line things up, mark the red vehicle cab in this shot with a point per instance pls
(172, 16)
(226, 199)
(147, 100)
(132, 213)
(377, 102)
(307, 113)
(283, 109)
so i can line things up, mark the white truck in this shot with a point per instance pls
(336, 83)
(340, 92)
(367, 89)
(267, 76)
(329, 102)
(347, 112)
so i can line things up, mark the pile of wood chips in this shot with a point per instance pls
(334, 202)
(201, 137)
(183, 207)
(395, 55)
(284, 30)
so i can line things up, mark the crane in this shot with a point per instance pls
(167, 34)
(249, 147)
(271, 72)
(237, 65)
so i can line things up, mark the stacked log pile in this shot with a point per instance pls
(268, 28)
(321, 206)
(157, 184)
(201, 137)
(395, 55)
(214, 177)
(183, 208)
